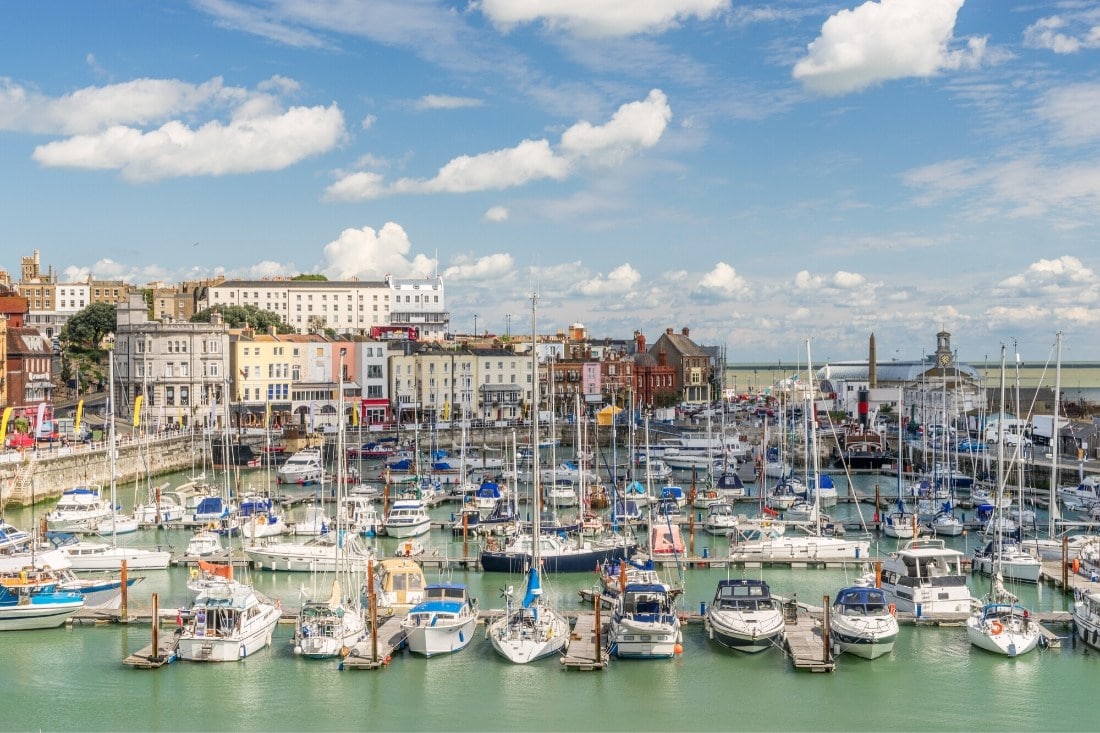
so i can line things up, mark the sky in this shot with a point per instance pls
(766, 174)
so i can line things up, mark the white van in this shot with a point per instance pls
(1016, 432)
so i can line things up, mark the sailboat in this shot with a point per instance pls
(814, 545)
(330, 627)
(1002, 625)
(533, 630)
(91, 555)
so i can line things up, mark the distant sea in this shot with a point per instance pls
(1080, 380)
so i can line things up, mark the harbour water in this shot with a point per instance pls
(72, 678)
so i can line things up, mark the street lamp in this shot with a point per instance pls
(475, 325)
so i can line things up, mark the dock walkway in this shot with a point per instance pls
(145, 658)
(587, 649)
(391, 640)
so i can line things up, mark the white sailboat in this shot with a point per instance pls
(91, 555)
(533, 630)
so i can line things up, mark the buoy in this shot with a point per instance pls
(678, 649)
(1076, 565)
(996, 628)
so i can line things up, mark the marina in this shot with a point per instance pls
(412, 692)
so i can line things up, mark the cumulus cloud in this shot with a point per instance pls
(443, 101)
(722, 283)
(634, 126)
(623, 279)
(496, 214)
(371, 255)
(603, 18)
(490, 267)
(885, 40)
(1064, 34)
(129, 127)
(1065, 279)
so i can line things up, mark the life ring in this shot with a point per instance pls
(996, 628)
(194, 573)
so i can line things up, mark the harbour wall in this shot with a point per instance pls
(32, 477)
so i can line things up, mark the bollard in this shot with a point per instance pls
(706, 552)
(702, 608)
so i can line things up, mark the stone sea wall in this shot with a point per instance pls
(56, 468)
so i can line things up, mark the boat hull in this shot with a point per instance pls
(580, 562)
(37, 615)
(194, 648)
(429, 641)
(750, 636)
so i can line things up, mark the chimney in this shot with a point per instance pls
(872, 370)
(668, 331)
(639, 342)
(685, 331)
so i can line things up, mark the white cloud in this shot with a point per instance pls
(622, 280)
(634, 126)
(370, 255)
(1059, 281)
(723, 283)
(885, 40)
(94, 109)
(368, 122)
(129, 127)
(1064, 34)
(244, 145)
(496, 214)
(1075, 111)
(602, 18)
(488, 268)
(443, 101)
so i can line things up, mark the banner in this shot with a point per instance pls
(4, 424)
(355, 413)
(137, 410)
(78, 418)
(41, 417)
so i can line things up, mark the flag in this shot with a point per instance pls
(79, 416)
(137, 410)
(41, 414)
(4, 424)
(213, 410)
(355, 413)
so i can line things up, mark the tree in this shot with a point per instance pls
(241, 316)
(86, 329)
(306, 276)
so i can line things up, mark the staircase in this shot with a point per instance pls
(19, 490)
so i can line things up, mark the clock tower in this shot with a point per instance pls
(943, 349)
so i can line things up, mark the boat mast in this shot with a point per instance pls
(536, 520)
(1052, 516)
(812, 441)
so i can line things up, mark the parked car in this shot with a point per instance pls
(972, 445)
(20, 440)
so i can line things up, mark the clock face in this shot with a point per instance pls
(945, 359)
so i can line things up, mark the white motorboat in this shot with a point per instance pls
(313, 521)
(204, 543)
(946, 524)
(1086, 617)
(80, 509)
(926, 578)
(721, 519)
(400, 583)
(443, 622)
(227, 622)
(1015, 563)
(744, 616)
(88, 555)
(303, 467)
(327, 553)
(862, 622)
(407, 518)
(645, 624)
(32, 606)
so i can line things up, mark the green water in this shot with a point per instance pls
(73, 678)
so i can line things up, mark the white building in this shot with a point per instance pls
(345, 306)
(181, 368)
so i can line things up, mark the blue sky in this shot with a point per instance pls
(762, 173)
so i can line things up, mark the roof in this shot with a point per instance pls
(892, 371)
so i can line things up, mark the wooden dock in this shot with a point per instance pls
(391, 640)
(586, 652)
(805, 641)
(146, 658)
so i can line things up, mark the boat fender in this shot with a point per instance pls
(194, 573)
(344, 651)
(996, 628)
(893, 610)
